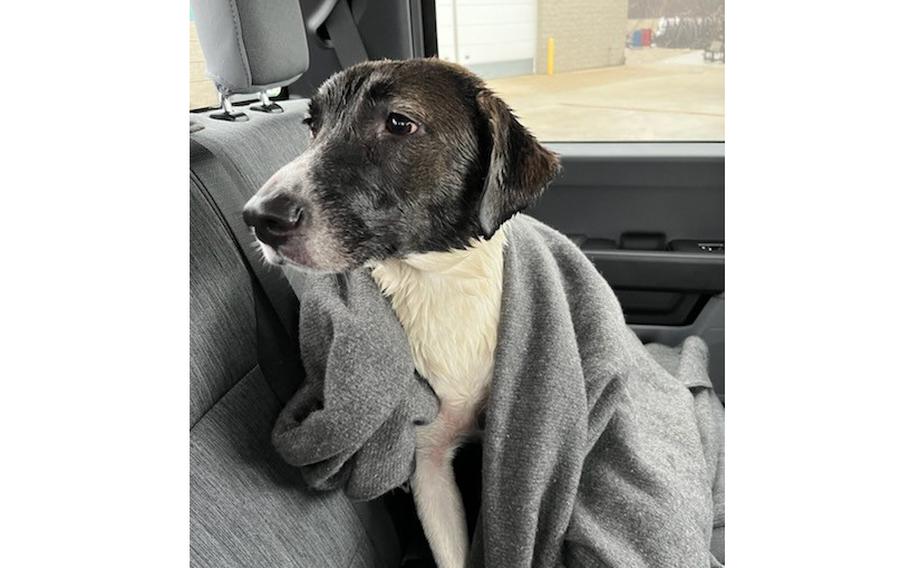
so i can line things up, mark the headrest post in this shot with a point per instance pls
(227, 111)
(267, 104)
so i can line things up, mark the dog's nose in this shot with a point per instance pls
(274, 218)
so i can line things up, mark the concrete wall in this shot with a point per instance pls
(588, 33)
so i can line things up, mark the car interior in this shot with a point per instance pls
(649, 215)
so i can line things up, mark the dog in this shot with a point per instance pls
(413, 171)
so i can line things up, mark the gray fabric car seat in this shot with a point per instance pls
(247, 507)
(252, 150)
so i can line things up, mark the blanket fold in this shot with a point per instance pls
(597, 451)
(352, 424)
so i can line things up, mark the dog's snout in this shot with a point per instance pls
(274, 218)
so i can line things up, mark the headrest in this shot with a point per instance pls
(251, 45)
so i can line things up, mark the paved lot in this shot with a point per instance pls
(659, 94)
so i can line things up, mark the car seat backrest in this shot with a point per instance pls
(247, 507)
(257, 148)
(222, 314)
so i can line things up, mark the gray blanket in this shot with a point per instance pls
(597, 451)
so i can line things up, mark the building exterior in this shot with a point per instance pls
(587, 33)
(500, 38)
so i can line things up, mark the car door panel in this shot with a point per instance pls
(650, 217)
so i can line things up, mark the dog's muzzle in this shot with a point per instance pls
(274, 218)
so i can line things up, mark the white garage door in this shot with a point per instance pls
(495, 38)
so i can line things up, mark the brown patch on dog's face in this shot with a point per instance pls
(406, 157)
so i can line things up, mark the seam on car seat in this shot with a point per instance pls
(205, 191)
(227, 161)
(241, 181)
(244, 377)
(357, 555)
(253, 283)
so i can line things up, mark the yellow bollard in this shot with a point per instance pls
(551, 55)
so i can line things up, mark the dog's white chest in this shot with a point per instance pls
(449, 305)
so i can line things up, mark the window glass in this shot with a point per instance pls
(596, 70)
(202, 91)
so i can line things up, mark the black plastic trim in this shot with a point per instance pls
(658, 270)
(428, 21)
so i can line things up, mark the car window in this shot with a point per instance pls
(202, 91)
(596, 70)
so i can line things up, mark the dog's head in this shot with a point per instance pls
(406, 157)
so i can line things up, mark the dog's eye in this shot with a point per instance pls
(400, 125)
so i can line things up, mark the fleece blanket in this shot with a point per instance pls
(597, 450)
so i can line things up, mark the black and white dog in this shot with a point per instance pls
(413, 170)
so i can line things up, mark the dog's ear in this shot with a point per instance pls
(520, 168)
